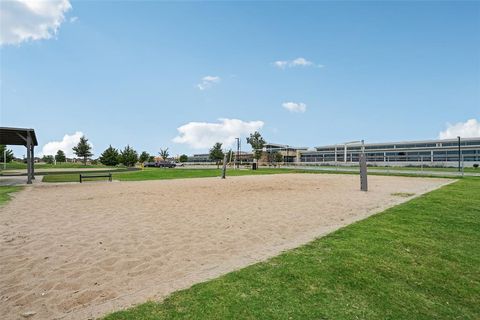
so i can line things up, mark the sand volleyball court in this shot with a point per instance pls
(78, 251)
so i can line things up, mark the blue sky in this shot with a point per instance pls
(129, 72)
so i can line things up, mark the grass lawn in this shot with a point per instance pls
(435, 169)
(5, 192)
(164, 173)
(14, 165)
(181, 173)
(418, 260)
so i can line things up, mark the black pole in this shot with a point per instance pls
(459, 155)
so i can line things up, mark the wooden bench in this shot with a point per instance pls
(105, 175)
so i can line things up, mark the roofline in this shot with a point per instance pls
(399, 142)
(34, 136)
(285, 146)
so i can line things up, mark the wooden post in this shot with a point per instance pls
(363, 170)
(224, 167)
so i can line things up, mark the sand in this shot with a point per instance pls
(78, 251)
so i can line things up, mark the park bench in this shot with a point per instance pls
(105, 175)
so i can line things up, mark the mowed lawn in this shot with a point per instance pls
(164, 173)
(6, 191)
(418, 260)
(183, 173)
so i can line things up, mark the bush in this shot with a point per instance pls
(128, 156)
(475, 165)
(48, 159)
(109, 157)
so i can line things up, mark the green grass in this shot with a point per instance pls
(410, 168)
(161, 174)
(14, 165)
(181, 173)
(5, 192)
(449, 169)
(418, 260)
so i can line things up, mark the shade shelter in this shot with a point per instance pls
(21, 137)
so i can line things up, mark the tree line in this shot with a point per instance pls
(129, 156)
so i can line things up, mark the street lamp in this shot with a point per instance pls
(459, 154)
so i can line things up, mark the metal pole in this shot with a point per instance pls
(29, 159)
(287, 154)
(459, 155)
(238, 153)
(33, 162)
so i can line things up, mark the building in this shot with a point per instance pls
(200, 158)
(289, 153)
(426, 152)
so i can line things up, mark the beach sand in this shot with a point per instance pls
(79, 251)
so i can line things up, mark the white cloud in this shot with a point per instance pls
(73, 19)
(25, 20)
(66, 145)
(295, 106)
(298, 62)
(202, 135)
(282, 64)
(467, 129)
(207, 82)
(301, 62)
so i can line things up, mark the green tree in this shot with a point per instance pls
(128, 156)
(151, 159)
(230, 155)
(48, 159)
(8, 153)
(257, 142)
(83, 149)
(216, 154)
(60, 156)
(183, 158)
(277, 157)
(164, 153)
(109, 157)
(144, 156)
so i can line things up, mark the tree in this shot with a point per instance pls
(164, 153)
(109, 157)
(216, 154)
(278, 157)
(151, 159)
(83, 149)
(230, 155)
(144, 156)
(8, 153)
(183, 158)
(128, 156)
(47, 159)
(60, 156)
(257, 142)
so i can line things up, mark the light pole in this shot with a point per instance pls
(459, 154)
(287, 154)
(238, 153)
